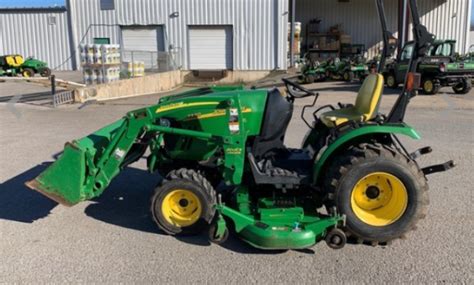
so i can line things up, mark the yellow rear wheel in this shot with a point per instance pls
(382, 192)
(379, 199)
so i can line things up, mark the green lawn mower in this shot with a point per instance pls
(351, 177)
(12, 65)
(347, 69)
(313, 70)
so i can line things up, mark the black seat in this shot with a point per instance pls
(277, 116)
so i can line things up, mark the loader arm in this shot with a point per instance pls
(88, 165)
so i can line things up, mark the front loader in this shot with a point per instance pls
(351, 177)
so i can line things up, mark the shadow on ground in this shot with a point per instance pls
(126, 203)
(21, 204)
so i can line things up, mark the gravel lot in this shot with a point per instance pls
(113, 239)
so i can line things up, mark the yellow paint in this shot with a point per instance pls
(233, 151)
(181, 208)
(180, 105)
(389, 204)
(365, 105)
(216, 113)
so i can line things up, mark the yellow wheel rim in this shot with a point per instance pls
(428, 86)
(379, 199)
(346, 76)
(26, 74)
(181, 208)
(390, 81)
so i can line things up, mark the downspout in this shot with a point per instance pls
(72, 34)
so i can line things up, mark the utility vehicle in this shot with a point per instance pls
(351, 177)
(16, 64)
(439, 68)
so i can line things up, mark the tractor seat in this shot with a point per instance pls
(366, 105)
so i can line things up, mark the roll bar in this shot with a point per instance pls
(423, 40)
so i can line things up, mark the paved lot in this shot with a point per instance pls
(113, 239)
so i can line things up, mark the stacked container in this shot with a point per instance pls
(136, 68)
(100, 63)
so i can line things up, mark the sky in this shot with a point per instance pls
(39, 3)
(30, 3)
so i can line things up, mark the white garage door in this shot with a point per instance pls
(210, 47)
(142, 44)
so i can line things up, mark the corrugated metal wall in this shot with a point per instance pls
(30, 34)
(447, 19)
(444, 18)
(259, 27)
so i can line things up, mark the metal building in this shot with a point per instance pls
(447, 19)
(207, 34)
(38, 32)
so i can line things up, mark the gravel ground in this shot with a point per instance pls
(113, 239)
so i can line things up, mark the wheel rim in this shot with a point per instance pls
(390, 81)
(346, 76)
(428, 86)
(26, 74)
(181, 208)
(379, 199)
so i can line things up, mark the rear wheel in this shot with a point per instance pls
(28, 72)
(183, 203)
(463, 87)
(348, 76)
(391, 80)
(430, 86)
(309, 79)
(382, 193)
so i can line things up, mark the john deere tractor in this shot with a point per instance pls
(351, 176)
(13, 65)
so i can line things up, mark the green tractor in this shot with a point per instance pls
(226, 168)
(16, 64)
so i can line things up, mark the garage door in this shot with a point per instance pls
(210, 47)
(142, 44)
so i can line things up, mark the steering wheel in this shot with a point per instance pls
(295, 86)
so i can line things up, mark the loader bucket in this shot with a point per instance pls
(69, 179)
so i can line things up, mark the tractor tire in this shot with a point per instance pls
(28, 72)
(309, 79)
(184, 203)
(348, 76)
(382, 193)
(430, 86)
(45, 72)
(391, 80)
(463, 87)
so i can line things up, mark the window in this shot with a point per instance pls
(407, 52)
(51, 20)
(102, 41)
(107, 4)
(443, 50)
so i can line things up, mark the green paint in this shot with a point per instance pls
(402, 129)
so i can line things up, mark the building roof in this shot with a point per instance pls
(32, 9)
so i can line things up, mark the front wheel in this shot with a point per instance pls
(382, 193)
(45, 72)
(184, 203)
(463, 87)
